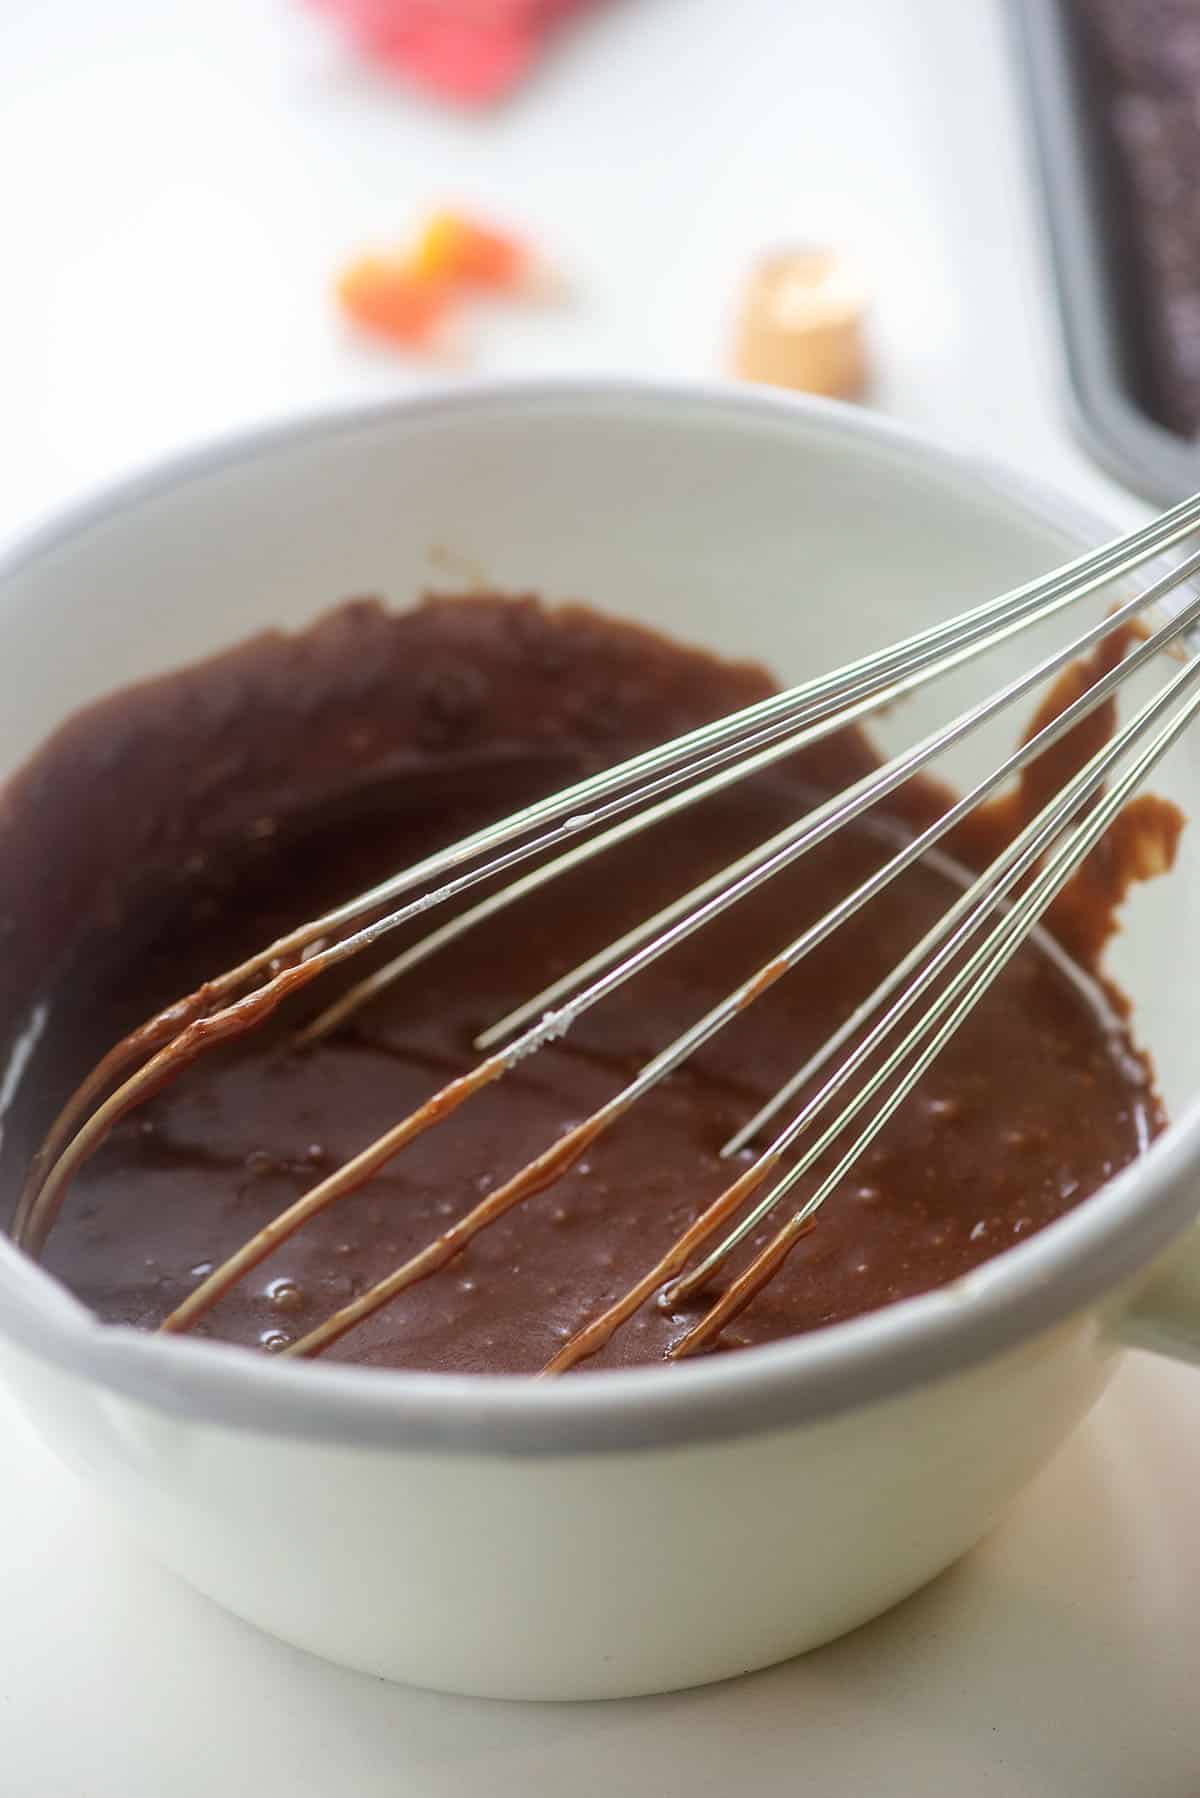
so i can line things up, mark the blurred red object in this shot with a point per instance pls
(466, 50)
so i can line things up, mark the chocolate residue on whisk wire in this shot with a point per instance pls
(1139, 845)
(181, 825)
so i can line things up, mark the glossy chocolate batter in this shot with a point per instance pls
(182, 824)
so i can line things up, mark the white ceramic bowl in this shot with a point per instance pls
(630, 1532)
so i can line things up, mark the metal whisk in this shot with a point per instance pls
(869, 1065)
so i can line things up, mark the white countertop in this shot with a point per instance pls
(177, 183)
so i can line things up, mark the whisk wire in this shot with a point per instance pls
(984, 966)
(1019, 857)
(968, 915)
(975, 634)
(610, 807)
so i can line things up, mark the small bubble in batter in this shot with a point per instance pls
(285, 1295)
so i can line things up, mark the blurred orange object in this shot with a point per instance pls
(385, 295)
(408, 295)
(457, 249)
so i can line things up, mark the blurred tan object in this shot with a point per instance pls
(802, 324)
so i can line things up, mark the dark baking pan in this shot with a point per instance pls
(1086, 219)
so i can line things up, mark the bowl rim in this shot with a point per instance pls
(1038, 1284)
